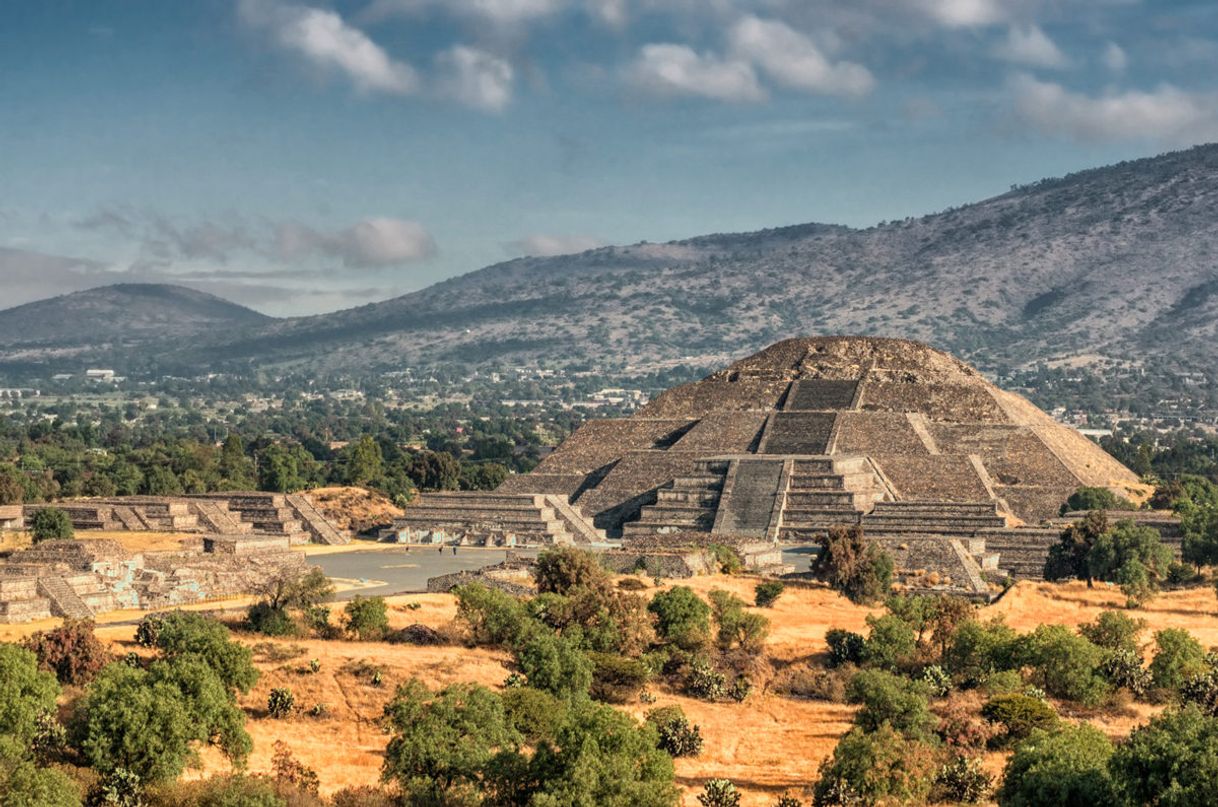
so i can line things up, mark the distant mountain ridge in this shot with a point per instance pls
(1117, 262)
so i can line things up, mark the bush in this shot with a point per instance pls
(936, 680)
(681, 617)
(631, 584)
(25, 784)
(617, 679)
(727, 559)
(859, 570)
(880, 767)
(149, 630)
(1019, 715)
(1123, 669)
(891, 644)
(705, 682)
(535, 715)
(815, 683)
(72, 652)
(889, 699)
(963, 781)
(563, 569)
(363, 796)
(845, 647)
(269, 621)
(1134, 557)
(962, 729)
(555, 664)
(677, 736)
(492, 616)
(186, 633)
(1202, 691)
(737, 627)
(1089, 498)
(1169, 761)
(1068, 766)
(280, 703)
(1178, 657)
(978, 650)
(719, 793)
(366, 618)
(767, 593)
(50, 523)
(1064, 664)
(1114, 631)
(416, 634)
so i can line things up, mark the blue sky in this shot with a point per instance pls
(305, 156)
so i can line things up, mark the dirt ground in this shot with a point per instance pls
(767, 745)
(354, 509)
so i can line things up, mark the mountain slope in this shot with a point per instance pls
(129, 314)
(1119, 261)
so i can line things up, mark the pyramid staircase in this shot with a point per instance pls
(215, 517)
(686, 504)
(477, 515)
(823, 492)
(315, 523)
(956, 519)
(65, 601)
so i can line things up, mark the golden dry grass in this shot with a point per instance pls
(766, 746)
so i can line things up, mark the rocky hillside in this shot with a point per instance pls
(1117, 262)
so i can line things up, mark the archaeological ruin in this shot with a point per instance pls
(954, 476)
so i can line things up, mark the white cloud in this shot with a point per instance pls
(475, 77)
(1115, 58)
(326, 41)
(611, 12)
(1167, 114)
(669, 69)
(964, 13)
(372, 243)
(549, 245)
(791, 59)
(499, 12)
(1029, 45)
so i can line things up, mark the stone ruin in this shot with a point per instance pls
(80, 579)
(912, 444)
(237, 513)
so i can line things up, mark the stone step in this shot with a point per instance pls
(64, 599)
(315, 523)
(700, 497)
(938, 508)
(697, 483)
(859, 481)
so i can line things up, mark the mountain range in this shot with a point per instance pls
(1119, 262)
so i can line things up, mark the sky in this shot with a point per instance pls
(308, 155)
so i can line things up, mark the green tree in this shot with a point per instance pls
(363, 464)
(877, 767)
(555, 664)
(1068, 557)
(26, 694)
(767, 592)
(891, 644)
(1171, 761)
(50, 523)
(235, 468)
(738, 627)
(1064, 664)
(434, 470)
(443, 743)
(1113, 630)
(564, 569)
(186, 633)
(27, 784)
(1068, 767)
(1088, 498)
(858, 569)
(160, 480)
(682, 617)
(482, 475)
(1133, 556)
(1178, 657)
(889, 699)
(366, 617)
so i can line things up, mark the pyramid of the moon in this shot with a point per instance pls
(813, 432)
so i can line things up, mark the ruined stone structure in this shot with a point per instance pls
(83, 578)
(236, 513)
(493, 519)
(12, 517)
(809, 433)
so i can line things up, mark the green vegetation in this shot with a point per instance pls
(856, 568)
(366, 618)
(767, 593)
(50, 523)
(1133, 557)
(1068, 766)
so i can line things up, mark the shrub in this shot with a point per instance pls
(963, 781)
(563, 569)
(815, 683)
(25, 784)
(27, 694)
(845, 647)
(416, 634)
(1019, 715)
(787, 800)
(119, 788)
(631, 584)
(50, 523)
(705, 682)
(962, 728)
(186, 633)
(72, 652)
(269, 621)
(617, 679)
(492, 616)
(363, 796)
(1091, 498)
(366, 617)
(1003, 683)
(880, 767)
(737, 627)
(1064, 664)
(727, 559)
(741, 688)
(1169, 761)
(1114, 631)
(535, 715)
(291, 772)
(682, 617)
(859, 570)
(149, 630)
(1134, 557)
(1068, 557)
(555, 664)
(719, 793)
(979, 649)
(677, 736)
(1202, 691)
(280, 703)
(936, 680)
(1178, 657)
(887, 698)
(1068, 766)
(1123, 669)
(891, 644)
(767, 593)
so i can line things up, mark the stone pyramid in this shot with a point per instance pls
(813, 432)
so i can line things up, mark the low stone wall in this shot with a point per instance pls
(514, 580)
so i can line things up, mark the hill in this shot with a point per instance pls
(123, 319)
(1117, 263)
(1113, 262)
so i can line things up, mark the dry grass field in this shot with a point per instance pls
(767, 745)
